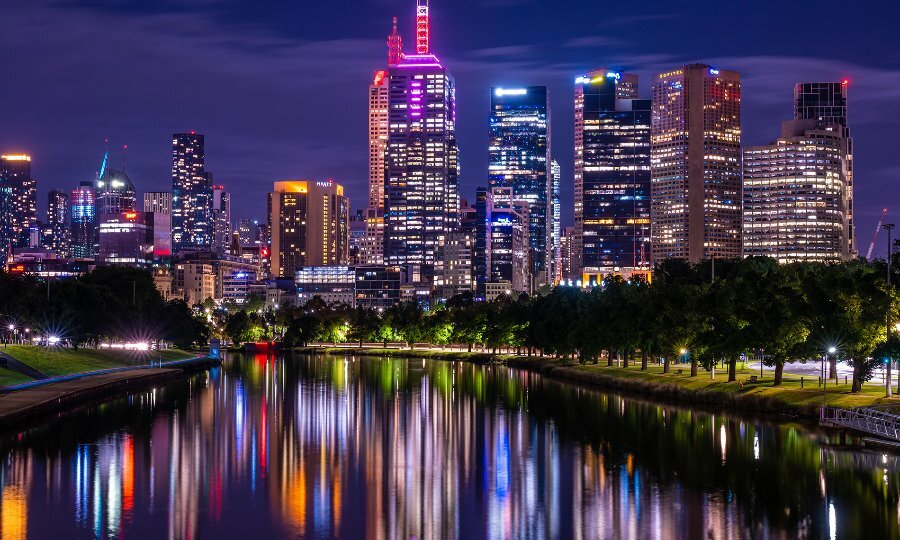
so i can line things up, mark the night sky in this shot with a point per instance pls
(279, 88)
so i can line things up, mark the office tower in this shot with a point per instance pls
(421, 192)
(826, 104)
(192, 220)
(696, 164)
(567, 253)
(480, 269)
(457, 253)
(248, 232)
(796, 201)
(158, 217)
(519, 157)
(83, 214)
(123, 240)
(58, 222)
(221, 211)
(18, 200)
(309, 223)
(508, 250)
(556, 230)
(114, 194)
(612, 174)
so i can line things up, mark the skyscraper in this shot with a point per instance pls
(158, 218)
(310, 225)
(114, 194)
(696, 164)
(421, 191)
(519, 158)
(372, 250)
(508, 251)
(796, 201)
(612, 174)
(58, 222)
(18, 200)
(83, 212)
(221, 212)
(826, 104)
(192, 221)
(556, 230)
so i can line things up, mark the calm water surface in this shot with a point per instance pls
(268, 447)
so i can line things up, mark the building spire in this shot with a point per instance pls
(423, 27)
(395, 46)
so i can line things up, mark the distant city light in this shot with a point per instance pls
(511, 91)
(52, 340)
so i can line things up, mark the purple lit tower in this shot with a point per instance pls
(421, 161)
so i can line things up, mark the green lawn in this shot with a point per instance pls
(9, 377)
(789, 391)
(62, 361)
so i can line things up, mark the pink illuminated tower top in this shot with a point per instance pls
(422, 27)
(395, 46)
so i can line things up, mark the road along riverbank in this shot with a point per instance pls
(24, 402)
(797, 397)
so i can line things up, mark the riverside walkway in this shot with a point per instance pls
(21, 401)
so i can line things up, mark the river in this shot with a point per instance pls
(344, 447)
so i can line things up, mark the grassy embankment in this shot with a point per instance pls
(54, 361)
(788, 398)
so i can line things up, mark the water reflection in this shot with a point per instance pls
(345, 447)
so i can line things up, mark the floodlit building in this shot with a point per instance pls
(310, 224)
(18, 200)
(612, 173)
(556, 228)
(796, 200)
(333, 284)
(519, 158)
(192, 209)
(421, 160)
(83, 212)
(114, 194)
(696, 164)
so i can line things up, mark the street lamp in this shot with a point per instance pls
(831, 350)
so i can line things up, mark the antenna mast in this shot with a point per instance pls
(395, 46)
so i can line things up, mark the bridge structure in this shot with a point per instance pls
(867, 420)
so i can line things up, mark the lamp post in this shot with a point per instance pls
(887, 379)
(831, 350)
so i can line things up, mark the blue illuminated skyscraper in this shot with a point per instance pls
(612, 175)
(520, 159)
(82, 211)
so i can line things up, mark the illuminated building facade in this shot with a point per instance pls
(457, 253)
(158, 216)
(221, 215)
(480, 269)
(556, 229)
(123, 241)
(115, 194)
(83, 214)
(519, 158)
(309, 223)
(18, 200)
(612, 173)
(60, 234)
(696, 164)
(192, 216)
(567, 253)
(796, 205)
(508, 250)
(826, 104)
(333, 284)
(421, 160)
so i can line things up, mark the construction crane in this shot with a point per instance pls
(875, 236)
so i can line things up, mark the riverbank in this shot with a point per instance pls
(30, 362)
(797, 397)
(28, 400)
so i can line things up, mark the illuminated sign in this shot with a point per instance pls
(18, 157)
(713, 71)
(325, 183)
(130, 215)
(613, 75)
(17, 269)
(380, 77)
(510, 92)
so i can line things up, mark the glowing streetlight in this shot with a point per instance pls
(52, 340)
(832, 350)
(683, 352)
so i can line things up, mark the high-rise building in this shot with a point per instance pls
(309, 223)
(696, 164)
(826, 104)
(114, 194)
(221, 212)
(158, 217)
(796, 201)
(123, 240)
(83, 218)
(480, 268)
(248, 232)
(58, 222)
(508, 250)
(192, 219)
(519, 158)
(421, 161)
(556, 229)
(612, 174)
(18, 200)
(567, 253)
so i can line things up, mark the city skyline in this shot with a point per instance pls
(250, 164)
